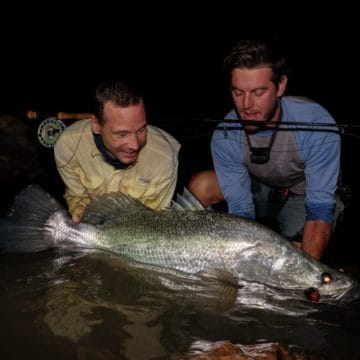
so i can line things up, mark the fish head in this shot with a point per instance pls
(334, 286)
(298, 275)
(317, 281)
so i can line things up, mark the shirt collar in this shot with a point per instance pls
(106, 154)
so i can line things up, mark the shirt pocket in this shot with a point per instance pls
(142, 189)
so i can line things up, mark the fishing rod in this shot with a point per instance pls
(34, 115)
(262, 125)
(52, 125)
(257, 122)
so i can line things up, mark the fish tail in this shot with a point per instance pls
(24, 228)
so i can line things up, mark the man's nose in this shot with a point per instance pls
(247, 101)
(133, 142)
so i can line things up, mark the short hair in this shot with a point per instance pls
(255, 53)
(119, 92)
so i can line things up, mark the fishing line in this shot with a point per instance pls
(251, 122)
(76, 147)
(294, 126)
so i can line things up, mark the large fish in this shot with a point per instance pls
(192, 242)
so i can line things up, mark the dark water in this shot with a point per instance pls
(65, 306)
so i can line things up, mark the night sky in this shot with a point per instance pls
(51, 59)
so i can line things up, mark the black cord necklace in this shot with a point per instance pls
(261, 155)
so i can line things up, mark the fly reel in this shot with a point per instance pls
(49, 130)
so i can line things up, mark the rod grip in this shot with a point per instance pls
(31, 115)
(74, 116)
(34, 115)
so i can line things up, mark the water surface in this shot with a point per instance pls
(58, 305)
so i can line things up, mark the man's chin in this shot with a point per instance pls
(128, 161)
(251, 129)
(255, 128)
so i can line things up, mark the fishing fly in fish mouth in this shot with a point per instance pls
(185, 238)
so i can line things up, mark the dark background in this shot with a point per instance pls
(52, 58)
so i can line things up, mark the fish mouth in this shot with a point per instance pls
(351, 294)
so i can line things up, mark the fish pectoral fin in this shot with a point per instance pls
(219, 276)
(219, 287)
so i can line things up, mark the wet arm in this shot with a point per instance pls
(316, 236)
(321, 151)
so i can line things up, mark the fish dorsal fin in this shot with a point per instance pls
(110, 206)
(186, 201)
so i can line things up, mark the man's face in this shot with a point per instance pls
(123, 131)
(255, 96)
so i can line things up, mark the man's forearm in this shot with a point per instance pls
(316, 236)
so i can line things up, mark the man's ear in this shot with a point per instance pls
(95, 126)
(282, 85)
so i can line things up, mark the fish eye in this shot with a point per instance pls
(326, 278)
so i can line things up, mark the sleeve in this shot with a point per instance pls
(165, 188)
(165, 178)
(68, 167)
(232, 174)
(321, 150)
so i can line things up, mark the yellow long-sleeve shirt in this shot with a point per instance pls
(152, 179)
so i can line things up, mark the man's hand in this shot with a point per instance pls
(77, 214)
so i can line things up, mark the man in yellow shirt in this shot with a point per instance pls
(116, 151)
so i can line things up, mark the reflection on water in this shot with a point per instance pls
(94, 306)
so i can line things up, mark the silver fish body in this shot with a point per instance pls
(188, 241)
